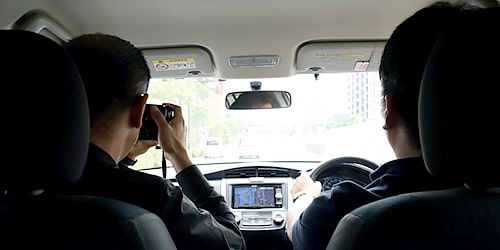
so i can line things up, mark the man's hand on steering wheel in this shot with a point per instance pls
(304, 185)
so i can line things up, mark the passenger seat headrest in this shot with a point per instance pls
(459, 102)
(45, 114)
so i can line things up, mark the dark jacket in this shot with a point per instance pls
(196, 216)
(316, 224)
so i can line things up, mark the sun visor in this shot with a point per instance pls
(179, 62)
(335, 57)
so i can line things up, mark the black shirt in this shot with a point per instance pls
(316, 224)
(196, 215)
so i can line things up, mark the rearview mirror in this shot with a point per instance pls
(258, 99)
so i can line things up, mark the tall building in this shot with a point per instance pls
(365, 95)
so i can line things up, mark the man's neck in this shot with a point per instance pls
(112, 142)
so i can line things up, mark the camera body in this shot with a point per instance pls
(149, 130)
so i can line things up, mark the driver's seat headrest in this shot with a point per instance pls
(459, 127)
(47, 124)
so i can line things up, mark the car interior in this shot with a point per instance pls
(315, 63)
(459, 218)
(32, 204)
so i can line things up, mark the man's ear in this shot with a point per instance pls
(390, 113)
(137, 111)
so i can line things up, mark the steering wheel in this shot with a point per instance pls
(344, 168)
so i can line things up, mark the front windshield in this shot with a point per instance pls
(332, 116)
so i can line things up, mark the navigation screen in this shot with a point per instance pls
(253, 196)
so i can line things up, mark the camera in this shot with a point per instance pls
(149, 130)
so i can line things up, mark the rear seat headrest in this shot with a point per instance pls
(45, 113)
(459, 102)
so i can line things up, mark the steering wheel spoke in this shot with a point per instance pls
(344, 168)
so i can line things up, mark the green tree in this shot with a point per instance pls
(193, 94)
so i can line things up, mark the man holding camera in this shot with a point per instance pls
(116, 78)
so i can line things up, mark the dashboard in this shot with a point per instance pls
(259, 194)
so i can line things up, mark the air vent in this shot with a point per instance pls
(247, 172)
(241, 173)
(274, 172)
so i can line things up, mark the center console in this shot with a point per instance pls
(258, 203)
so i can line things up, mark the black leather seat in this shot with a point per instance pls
(46, 135)
(460, 136)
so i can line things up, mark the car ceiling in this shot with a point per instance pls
(226, 28)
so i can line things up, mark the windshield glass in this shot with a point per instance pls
(332, 116)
